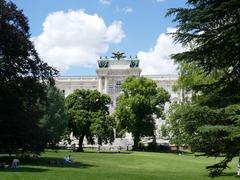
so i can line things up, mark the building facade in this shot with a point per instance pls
(111, 72)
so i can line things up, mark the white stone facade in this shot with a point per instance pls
(110, 74)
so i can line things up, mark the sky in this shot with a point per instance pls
(71, 35)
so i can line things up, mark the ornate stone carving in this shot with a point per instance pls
(103, 63)
(134, 63)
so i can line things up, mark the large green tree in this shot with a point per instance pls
(189, 76)
(54, 118)
(140, 102)
(89, 116)
(23, 78)
(174, 127)
(212, 119)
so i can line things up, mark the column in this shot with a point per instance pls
(106, 85)
(100, 84)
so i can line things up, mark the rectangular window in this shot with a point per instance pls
(110, 88)
(118, 86)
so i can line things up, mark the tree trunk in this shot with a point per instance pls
(80, 144)
(136, 140)
(178, 148)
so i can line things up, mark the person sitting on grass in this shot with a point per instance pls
(2, 165)
(15, 163)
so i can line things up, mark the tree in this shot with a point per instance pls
(212, 118)
(189, 77)
(137, 107)
(164, 131)
(54, 119)
(103, 128)
(89, 116)
(23, 78)
(175, 127)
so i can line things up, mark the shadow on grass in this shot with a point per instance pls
(24, 169)
(169, 152)
(44, 161)
(231, 174)
(108, 152)
(224, 174)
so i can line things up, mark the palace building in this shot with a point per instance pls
(111, 72)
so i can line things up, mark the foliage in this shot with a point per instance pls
(89, 116)
(175, 128)
(140, 102)
(164, 130)
(54, 119)
(23, 78)
(103, 128)
(212, 72)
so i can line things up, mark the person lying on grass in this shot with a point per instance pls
(67, 159)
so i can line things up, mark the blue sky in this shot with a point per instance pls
(77, 32)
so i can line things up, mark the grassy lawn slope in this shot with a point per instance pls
(124, 165)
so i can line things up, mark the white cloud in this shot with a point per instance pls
(157, 60)
(124, 10)
(160, 1)
(105, 2)
(127, 10)
(75, 38)
(115, 33)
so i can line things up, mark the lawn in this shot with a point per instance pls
(125, 165)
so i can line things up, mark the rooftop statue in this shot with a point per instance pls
(134, 63)
(105, 62)
(118, 55)
(102, 64)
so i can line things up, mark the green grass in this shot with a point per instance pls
(128, 165)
